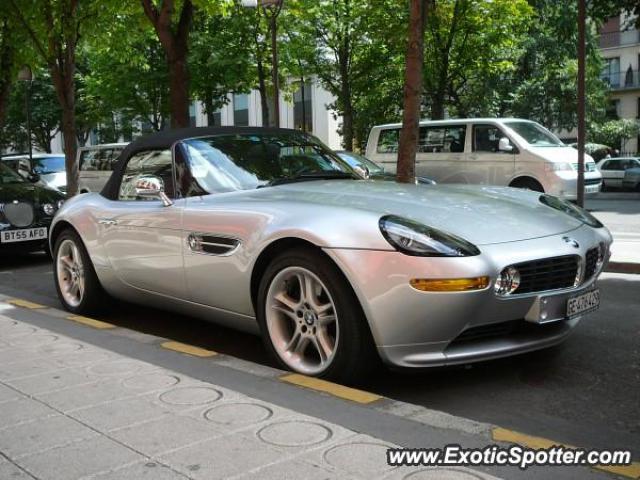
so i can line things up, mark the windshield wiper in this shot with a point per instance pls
(303, 177)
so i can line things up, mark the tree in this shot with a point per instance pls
(408, 145)
(54, 27)
(7, 62)
(466, 47)
(614, 132)
(174, 38)
(220, 58)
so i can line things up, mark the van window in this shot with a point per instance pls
(99, 160)
(388, 140)
(486, 138)
(449, 139)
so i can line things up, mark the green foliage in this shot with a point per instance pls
(613, 132)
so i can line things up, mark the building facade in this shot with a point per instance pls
(619, 44)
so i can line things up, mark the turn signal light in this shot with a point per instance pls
(449, 284)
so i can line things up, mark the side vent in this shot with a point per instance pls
(212, 245)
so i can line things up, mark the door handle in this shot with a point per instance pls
(107, 221)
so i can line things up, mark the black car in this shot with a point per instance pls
(26, 211)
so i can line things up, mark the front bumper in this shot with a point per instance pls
(418, 329)
(565, 184)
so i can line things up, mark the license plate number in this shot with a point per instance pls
(587, 302)
(24, 235)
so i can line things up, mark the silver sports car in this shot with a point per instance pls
(269, 231)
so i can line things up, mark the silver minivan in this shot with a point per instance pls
(490, 151)
(95, 164)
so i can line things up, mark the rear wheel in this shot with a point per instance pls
(76, 281)
(311, 321)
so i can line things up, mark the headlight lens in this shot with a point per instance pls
(507, 282)
(49, 208)
(413, 238)
(560, 167)
(571, 210)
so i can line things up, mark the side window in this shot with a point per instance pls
(155, 162)
(445, 139)
(614, 165)
(88, 160)
(605, 165)
(388, 140)
(486, 138)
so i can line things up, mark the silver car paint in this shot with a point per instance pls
(141, 253)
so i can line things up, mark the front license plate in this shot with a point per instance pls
(24, 235)
(587, 302)
(592, 189)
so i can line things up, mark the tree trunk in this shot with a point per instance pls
(406, 170)
(264, 99)
(63, 82)
(179, 90)
(347, 105)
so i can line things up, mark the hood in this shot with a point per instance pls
(28, 192)
(558, 154)
(480, 214)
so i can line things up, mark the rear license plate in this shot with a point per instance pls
(23, 235)
(587, 302)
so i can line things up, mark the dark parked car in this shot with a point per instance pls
(26, 211)
(370, 169)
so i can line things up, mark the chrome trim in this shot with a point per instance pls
(196, 242)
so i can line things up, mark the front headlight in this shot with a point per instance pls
(48, 209)
(413, 238)
(560, 167)
(571, 210)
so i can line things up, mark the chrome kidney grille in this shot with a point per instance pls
(548, 274)
(18, 214)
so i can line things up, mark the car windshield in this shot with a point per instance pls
(225, 163)
(9, 176)
(535, 135)
(46, 165)
(355, 160)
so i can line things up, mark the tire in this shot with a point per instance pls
(528, 184)
(90, 296)
(297, 330)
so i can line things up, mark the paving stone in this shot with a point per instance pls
(8, 471)
(48, 432)
(86, 395)
(79, 459)
(290, 470)
(119, 413)
(438, 473)
(218, 458)
(7, 394)
(124, 367)
(51, 381)
(8, 356)
(147, 470)
(28, 367)
(168, 433)
(87, 356)
(34, 340)
(21, 410)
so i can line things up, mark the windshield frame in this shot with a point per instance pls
(184, 145)
(510, 125)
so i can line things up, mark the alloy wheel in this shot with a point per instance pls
(302, 321)
(70, 273)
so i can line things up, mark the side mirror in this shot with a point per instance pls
(362, 170)
(152, 187)
(33, 177)
(504, 145)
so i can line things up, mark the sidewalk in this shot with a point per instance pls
(89, 400)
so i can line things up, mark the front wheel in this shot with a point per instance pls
(76, 281)
(311, 320)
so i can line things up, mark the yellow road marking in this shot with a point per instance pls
(24, 303)
(505, 435)
(90, 322)
(188, 349)
(348, 393)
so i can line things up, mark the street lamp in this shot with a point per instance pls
(25, 75)
(274, 7)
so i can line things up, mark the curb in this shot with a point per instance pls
(623, 267)
(409, 412)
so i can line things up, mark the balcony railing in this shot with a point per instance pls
(619, 38)
(622, 80)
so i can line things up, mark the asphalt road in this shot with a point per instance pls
(585, 392)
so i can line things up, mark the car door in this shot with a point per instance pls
(440, 154)
(486, 164)
(142, 236)
(615, 173)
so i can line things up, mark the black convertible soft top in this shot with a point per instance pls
(165, 140)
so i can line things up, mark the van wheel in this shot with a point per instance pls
(527, 184)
